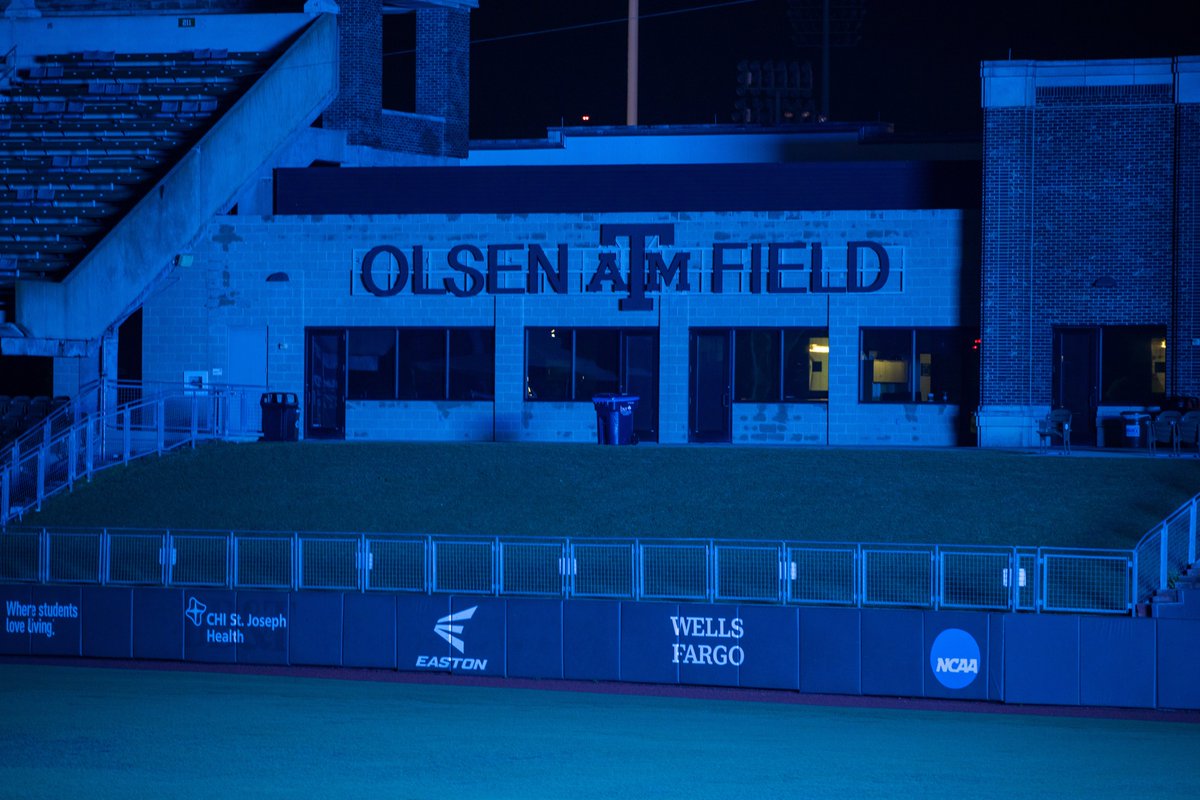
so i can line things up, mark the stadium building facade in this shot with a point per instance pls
(817, 284)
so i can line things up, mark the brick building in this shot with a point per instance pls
(1089, 243)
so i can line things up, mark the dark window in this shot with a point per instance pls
(564, 364)
(422, 371)
(371, 364)
(907, 365)
(1133, 364)
(472, 364)
(597, 359)
(780, 365)
(757, 377)
(548, 363)
(420, 364)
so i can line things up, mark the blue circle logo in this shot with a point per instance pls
(954, 658)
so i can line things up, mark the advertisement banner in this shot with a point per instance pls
(212, 629)
(709, 644)
(956, 654)
(18, 610)
(263, 619)
(54, 625)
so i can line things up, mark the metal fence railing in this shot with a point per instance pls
(802, 573)
(106, 425)
(1166, 551)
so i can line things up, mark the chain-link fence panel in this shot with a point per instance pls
(1086, 583)
(747, 572)
(396, 565)
(19, 556)
(262, 562)
(534, 568)
(74, 557)
(135, 558)
(200, 560)
(976, 580)
(603, 570)
(675, 571)
(463, 567)
(328, 563)
(894, 577)
(821, 575)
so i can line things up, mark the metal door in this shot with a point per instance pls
(325, 389)
(710, 386)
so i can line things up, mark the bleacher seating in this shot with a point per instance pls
(84, 135)
(21, 413)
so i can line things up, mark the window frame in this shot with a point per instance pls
(808, 332)
(573, 379)
(447, 358)
(963, 334)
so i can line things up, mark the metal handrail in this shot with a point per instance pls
(1169, 547)
(106, 437)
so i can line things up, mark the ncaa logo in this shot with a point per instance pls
(954, 658)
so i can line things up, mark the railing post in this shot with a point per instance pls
(1192, 533)
(125, 435)
(638, 570)
(713, 577)
(297, 565)
(44, 557)
(497, 567)
(72, 455)
(105, 557)
(1014, 581)
(4, 495)
(936, 588)
(860, 575)
(41, 476)
(194, 421)
(160, 428)
(1164, 555)
(89, 447)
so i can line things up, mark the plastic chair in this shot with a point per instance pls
(1188, 431)
(1056, 423)
(1165, 430)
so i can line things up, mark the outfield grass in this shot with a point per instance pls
(116, 733)
(830, 494)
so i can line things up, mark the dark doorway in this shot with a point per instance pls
(640, 377)
(710, 417)
(325, 387)
(1076, 379)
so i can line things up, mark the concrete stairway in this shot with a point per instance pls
(1183, 600)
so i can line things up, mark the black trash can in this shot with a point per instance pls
(614, 418)
(1137, 428)
(280, 416)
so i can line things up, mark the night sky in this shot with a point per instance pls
(916, 63)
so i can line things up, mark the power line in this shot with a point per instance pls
(583, 25)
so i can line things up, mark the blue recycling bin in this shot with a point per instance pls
(614, 418)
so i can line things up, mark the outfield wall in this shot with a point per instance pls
(1065, 660)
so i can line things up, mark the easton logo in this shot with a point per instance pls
(450, 628)
(954, 658)
(448, 631)
(195, 611)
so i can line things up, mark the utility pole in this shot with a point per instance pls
(631, 72)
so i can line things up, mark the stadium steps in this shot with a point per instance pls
(1183, 600)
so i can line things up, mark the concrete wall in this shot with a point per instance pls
(933, 261)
